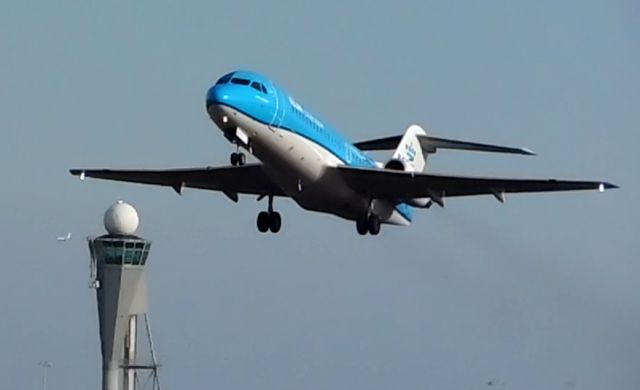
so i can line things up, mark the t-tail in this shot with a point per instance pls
(410, 157)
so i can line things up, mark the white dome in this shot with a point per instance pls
(121, 218)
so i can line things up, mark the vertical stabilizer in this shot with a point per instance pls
(409, 150)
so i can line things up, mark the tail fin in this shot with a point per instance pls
(410, 151)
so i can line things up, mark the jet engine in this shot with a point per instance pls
(399, 165)
(423, 203)
(396, 165)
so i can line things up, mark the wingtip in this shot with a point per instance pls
(528, 152)
(606, 186)
(78, 172)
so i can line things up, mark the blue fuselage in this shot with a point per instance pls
(293, 144)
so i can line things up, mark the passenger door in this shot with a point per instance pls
(280, 107)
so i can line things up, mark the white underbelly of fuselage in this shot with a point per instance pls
(299, 167)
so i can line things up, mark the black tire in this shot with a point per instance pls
(362, 225)
(263, 221)
(242, 159)
(234, 159)
(275, 222)
(374, 224)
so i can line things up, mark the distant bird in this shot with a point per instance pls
(64, 238)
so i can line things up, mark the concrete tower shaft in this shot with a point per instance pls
(117, 273)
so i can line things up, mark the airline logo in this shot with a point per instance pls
(410, 151)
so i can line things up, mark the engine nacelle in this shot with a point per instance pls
(396, 165)
(423, 203)
(399, 165)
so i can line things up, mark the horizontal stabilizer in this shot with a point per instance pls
(432, 144)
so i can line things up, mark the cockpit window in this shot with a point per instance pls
(237, 80)
(258, 87)
(225, 79)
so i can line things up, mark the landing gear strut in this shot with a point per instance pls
(269, 220)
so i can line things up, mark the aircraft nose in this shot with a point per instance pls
(217, 94)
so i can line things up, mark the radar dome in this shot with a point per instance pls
(121, 219)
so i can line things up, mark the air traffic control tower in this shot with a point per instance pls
(118, 260)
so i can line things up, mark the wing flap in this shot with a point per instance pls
(398, 185)
(246, 179)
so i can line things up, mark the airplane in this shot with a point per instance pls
(64, 238)
(304, 158)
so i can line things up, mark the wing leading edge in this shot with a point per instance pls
(399, 185)
(246, 179)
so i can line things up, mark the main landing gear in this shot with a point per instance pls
(269, 220)
(368, 224)
(238, 158)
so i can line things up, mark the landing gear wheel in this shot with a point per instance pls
(362, 225)
(269, 220)
(263, 221)
(238, 159)
(275, 222)
(374, 224)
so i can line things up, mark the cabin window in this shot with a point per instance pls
(237, 80)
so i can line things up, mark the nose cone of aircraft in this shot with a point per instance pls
(217, 94)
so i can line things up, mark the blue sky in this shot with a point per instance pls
(538, 293)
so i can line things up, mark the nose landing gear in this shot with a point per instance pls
(238, 159)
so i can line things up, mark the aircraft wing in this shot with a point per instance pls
(231, 180)
(432, 144)
(400, 185)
